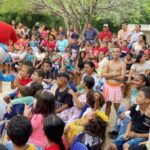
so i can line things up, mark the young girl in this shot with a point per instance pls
(43, 106)
(53, 129)
(93, 126)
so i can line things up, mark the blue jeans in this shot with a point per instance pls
(120, 141)
(121, 127)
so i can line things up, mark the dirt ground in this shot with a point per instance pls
(6, 89)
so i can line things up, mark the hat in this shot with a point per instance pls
(105, 25)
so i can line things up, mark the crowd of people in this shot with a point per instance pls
(65, 84)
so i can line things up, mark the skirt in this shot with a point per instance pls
(112, 93)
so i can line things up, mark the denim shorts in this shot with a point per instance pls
(134, 141)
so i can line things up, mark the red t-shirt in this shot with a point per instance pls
(52, 44)
(104, 49)
(53, 147)
(124, 49)
(105, 35)
(7, 33)
(95, 51)
(24, 81)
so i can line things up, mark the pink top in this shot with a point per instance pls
(37, 137)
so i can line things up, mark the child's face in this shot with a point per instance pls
(60, 81)
(30, 51)
(104, 44)
(124, 43)
(36, 77)
(148, 111)
(24, 72)
(46, 67)
(138, 82)
(141, 99)
(128, 57)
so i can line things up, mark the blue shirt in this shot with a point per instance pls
(61, 45)
(29, 57)
(90, 34)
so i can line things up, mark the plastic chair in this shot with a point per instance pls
(77, 139)
(79, 146)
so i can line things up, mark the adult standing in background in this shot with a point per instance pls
(105, 34)
(90, 33)
(124, 34)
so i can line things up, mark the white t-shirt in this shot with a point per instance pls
(140, 68)
(40, 56)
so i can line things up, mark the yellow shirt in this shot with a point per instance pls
(31, 147)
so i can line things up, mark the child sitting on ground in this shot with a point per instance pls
(80, 101)
(139, 126)
(63, 98)
(38, 76)
(95, 101)
(43, 106)
(53, 129)
(19, 130)
(48, 77)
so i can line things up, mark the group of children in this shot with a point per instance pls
(58, 94)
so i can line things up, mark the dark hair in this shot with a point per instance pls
(138, 57)
(19, 130)
(41, 49)
(52, 36)
(28, 63)
(144, 37)
(64, 74)
(144, 78)
(89, 81)
(29, 70)
(53, 129)
(25, 91)
(146, 91)
(45, 103)
(91, 99)
(97, 128)
(48, 62)
(130, 54)
(2, 147)
(91, 64)
(40, 73)
(36, 86)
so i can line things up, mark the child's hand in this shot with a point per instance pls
(132, 134)
(27, 112)
(8, 108)
(126, 136)
(122, 116)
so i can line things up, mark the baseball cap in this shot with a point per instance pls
(105, 25)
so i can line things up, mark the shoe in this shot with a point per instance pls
(113, 134)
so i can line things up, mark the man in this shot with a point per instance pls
(90, 33)
(124, 34)
(114, 73)
(105, 34)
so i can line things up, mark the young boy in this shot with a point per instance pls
(38, 76)
(19, 130)
(48, 75)
(139, 126)
(63, 98)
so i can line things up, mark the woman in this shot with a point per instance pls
(138, 67)
(79, 68)
(51, 42)
(39, 58)
(89, 68)
(137, 46)
(102, 61)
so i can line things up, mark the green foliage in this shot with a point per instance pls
(56, 13)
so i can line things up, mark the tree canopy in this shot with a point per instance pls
(78, 12)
